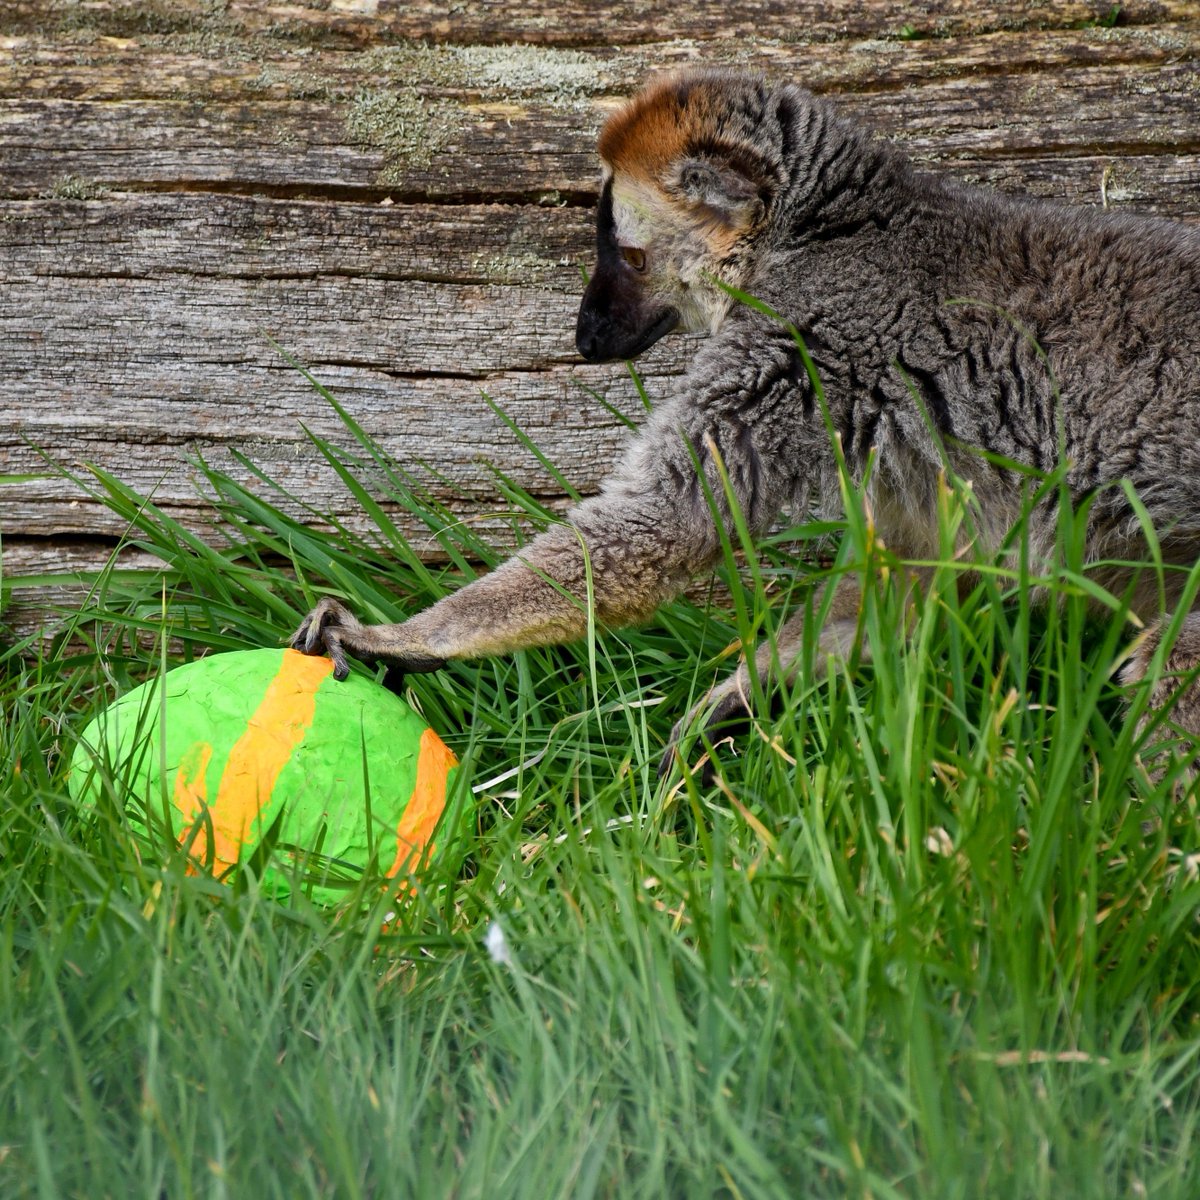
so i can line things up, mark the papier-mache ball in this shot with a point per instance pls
(236, 745)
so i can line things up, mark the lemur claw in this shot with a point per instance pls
(333, 630)
(321, 633)
(318, 633)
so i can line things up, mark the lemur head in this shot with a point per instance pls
(689, 173)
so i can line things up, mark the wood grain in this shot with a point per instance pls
(402, 200)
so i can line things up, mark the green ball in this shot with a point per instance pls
(265, 745)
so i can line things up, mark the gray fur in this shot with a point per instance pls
(1027, 329)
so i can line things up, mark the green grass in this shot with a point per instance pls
(932, 933)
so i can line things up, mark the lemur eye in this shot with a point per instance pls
(634, 257)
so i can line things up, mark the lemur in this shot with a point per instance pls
(941, 319)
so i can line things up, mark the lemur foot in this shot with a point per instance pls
(728, 715)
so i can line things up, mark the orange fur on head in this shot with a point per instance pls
(658, 126)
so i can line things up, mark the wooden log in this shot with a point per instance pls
(261, 71)
(573, 22)
(402, 200)
(530, 150)
(381, 322)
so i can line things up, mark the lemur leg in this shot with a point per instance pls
(1179, 675)
(777, 660)
(639, 551)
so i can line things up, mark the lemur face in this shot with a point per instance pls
(630, 300)
(678, 209)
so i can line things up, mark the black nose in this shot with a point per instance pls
(587, 336)
(588, 346)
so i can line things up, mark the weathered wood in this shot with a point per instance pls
(401, 198)
(533, 149)
(250, 237)
(570, 22)
(381, 322)
(59, 577)
(164, 70)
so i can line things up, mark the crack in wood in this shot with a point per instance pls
(449, 196)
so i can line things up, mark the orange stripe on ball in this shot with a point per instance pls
(434, 762)
(274, 731)
(190, 796)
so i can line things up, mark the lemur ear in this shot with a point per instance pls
(730, 195)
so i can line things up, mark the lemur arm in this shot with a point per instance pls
(649, 531)
(638, 555)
